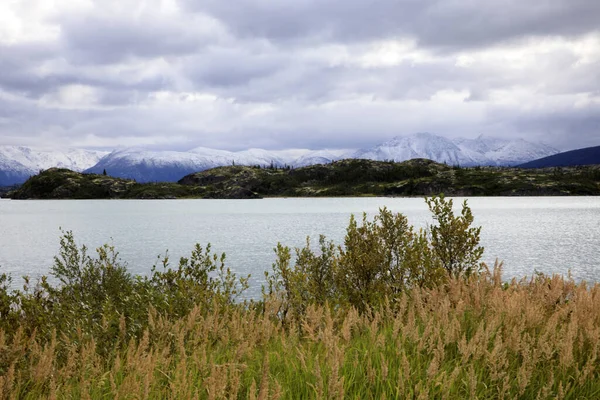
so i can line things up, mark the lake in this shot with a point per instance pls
(547, 234)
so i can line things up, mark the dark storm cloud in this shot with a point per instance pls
(437, 23)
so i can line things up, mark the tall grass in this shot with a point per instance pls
(468, 336)
(475, 338)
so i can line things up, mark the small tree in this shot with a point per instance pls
(454, 241)
(104, 172)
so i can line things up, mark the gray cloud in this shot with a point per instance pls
(301, 74)
(233, 67)
(566, 128)
(113, 37)
(437, 23)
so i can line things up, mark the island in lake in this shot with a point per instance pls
(352, 177)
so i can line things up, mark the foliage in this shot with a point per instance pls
(470, 338)
(393, 313)
(454, 241)
(379, 260)
(417, 177)
(310, 281)
(202, 279)
(7, 300)
(96, 296)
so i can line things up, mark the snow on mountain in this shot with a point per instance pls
(520, 151)
(278, 157)
(213, 153)
(20, 162)
(73, 159)
(258, 157)
(321, 157)
(419, 145)
(496, 151)
(465, 152)
(153, 166)
(12, 172)
(149, 166)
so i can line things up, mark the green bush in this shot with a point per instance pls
(7, 300)
(454, 241)
(380, 259)
(395, 312)
(96, 297)
(200, 280)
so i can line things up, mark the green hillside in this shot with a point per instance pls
(416, 177)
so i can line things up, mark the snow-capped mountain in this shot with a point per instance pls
(464, 152)
(419, 145)
(494, 151)
(73, 159)
(148, 166)
(17, 163)
(12, 172)
(246, 157)
(259, 157)
(155, 166)
(321, 157)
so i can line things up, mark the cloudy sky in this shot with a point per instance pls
(279, 74)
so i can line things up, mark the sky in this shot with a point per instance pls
(296, 74)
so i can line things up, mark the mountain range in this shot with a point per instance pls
(464, 152)
(18, 163)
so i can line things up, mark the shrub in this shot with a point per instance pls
(453, 239)
(379, 260)
(310, 281)
(200, 280)
(450, 332)
(7, 300)
(96, 297)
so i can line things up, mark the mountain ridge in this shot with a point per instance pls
(482, 151)
(156, 165)
(17, 163)
(584, 156)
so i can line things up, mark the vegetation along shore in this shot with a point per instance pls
(418, 177)
(394, 312)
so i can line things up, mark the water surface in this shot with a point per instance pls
(548, 234)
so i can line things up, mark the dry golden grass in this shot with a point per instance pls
(476, 338)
